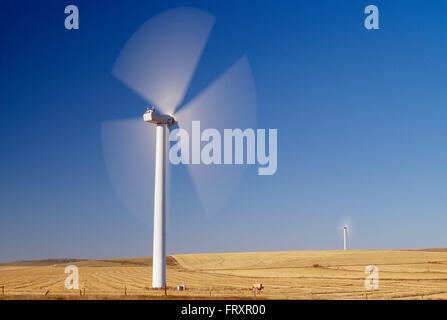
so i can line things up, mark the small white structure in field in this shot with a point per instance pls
(181, 287)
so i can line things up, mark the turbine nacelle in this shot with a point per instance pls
(156, 118)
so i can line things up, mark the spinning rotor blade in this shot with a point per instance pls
(158, 63)
(160, 58)
(228, 103)
(129, 154)
(347, 222)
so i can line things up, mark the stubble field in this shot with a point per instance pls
(284, 275)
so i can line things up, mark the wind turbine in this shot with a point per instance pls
(158, 63)
(345, 237)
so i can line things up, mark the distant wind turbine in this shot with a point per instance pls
(345, 237)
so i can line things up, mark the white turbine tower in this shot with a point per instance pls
(159, 244)
(158, 63)
(345, 237)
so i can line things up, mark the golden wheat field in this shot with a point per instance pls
(403, 274)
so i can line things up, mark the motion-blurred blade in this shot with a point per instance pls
(129, 155)
(160, 58)
(347, 222)
(228, 103)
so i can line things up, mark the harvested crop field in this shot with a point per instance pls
(403, 274)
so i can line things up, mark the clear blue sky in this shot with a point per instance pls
(361, 118)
